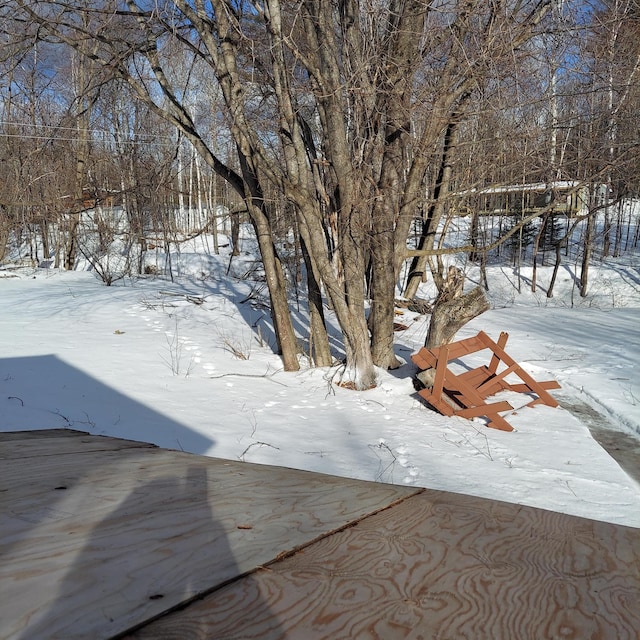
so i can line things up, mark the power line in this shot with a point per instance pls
(145, 143)
(104, 132)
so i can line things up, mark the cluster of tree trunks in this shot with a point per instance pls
(349, 114)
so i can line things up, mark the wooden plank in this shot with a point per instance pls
(438, 565)
(96, 543)
(437, 403)
(422, 359)
(461, 348)
(523, 388)
(495, 358)
(7, 436)
(498, 422)
(482, 379)
(484, 409)
(441, 369)
(493, 385)
(64, 442)
(524, 376)
(47, 481)
(466, 394)
(481, 376)
(427, 358)
(475, 377)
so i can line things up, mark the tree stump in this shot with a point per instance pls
(453, 309)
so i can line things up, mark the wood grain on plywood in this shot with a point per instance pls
(437, 565)
(61, 443)
(99, 541)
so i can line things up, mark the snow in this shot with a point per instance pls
(189, 365)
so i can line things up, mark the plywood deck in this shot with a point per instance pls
(106, 538)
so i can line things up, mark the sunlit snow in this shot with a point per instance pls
(190, 365)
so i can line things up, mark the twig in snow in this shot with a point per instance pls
(466, 440)
(569, 487)
(381, 472)
(253, 444)
(266, 376)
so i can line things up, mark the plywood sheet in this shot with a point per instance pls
(99, 541)
(59, 442)
(438, 565)
(7, 436)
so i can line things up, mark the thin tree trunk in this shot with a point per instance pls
(436, 210)
(586, 255)
(606, 234)
(4, 238)
(556, 267)
(534, 251)
(82, 82)
(319, 349)
(285, 335)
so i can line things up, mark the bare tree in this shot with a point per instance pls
(354, 118)
(359, 95)
(612, 53)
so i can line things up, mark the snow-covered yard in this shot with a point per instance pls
(189, 365)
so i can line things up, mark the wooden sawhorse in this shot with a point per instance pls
(465, 394)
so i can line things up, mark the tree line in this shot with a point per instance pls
(350, 125)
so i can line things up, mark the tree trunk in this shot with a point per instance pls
(4, 237)
(319, 349)
(586, 256)
(534, 251)
(453, 309)
(44, 233)
(436, 209)
(359, 371)
(350, 308)
(383, 310)
(383, 280)
(283, 326)
(71, 251)
(82, 80)
(556, 267)
(345, 294)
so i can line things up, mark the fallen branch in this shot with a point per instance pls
(251, 375)
(189, 298)
(259, 444)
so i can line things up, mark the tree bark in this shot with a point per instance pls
(435, 211)
(453, 309)
(319, 349)
(556, 267)
(360, 72)
(587, 251)
(276, 284)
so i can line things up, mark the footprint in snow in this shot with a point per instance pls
(403, 460)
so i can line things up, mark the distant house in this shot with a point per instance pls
(567, 198)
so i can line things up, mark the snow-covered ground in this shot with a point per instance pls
(188, 365)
